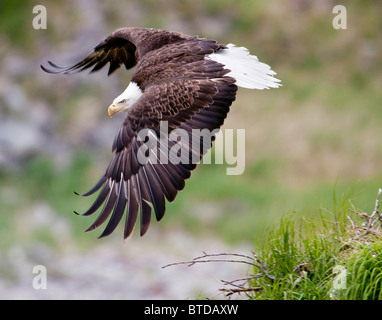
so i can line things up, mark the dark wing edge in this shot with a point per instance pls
(130, 187)
(114, 50)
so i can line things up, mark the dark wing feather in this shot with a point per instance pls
(96, 187)
(132, 210)
(145, 187)
(100, 199)
(118, 211)
(115, 50)
(108, 207)
(145, 209)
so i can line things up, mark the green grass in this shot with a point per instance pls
(302, 256)
(365, 274)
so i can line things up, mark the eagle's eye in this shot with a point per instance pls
(122, 101)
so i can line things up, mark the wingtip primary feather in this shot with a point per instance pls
(56, 68)
(46, 69)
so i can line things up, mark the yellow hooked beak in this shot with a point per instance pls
(113, 109)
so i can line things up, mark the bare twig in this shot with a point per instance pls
(244, 280)
(238, 287)
(376, 210)
(368, 227)
(202, 259)
(205, 255)
(351, 221)
(241, 287)
(231, 291)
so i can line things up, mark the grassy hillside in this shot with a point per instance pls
(336, 255)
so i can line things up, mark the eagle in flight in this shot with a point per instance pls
(187, 82)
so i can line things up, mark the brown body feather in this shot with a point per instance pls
(179, 86)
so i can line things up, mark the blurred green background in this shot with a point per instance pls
(317, 135)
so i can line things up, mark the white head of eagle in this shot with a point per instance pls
(126, 99)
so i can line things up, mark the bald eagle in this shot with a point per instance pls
(187, 82)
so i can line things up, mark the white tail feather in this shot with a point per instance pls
(248, 71)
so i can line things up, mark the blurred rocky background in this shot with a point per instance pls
(318, 135)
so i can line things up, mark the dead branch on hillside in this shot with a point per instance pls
(242, 287)
(370, 225)
(238, 285)
(375, 216)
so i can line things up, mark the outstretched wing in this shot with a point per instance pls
(130, 185)
(115, 50)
